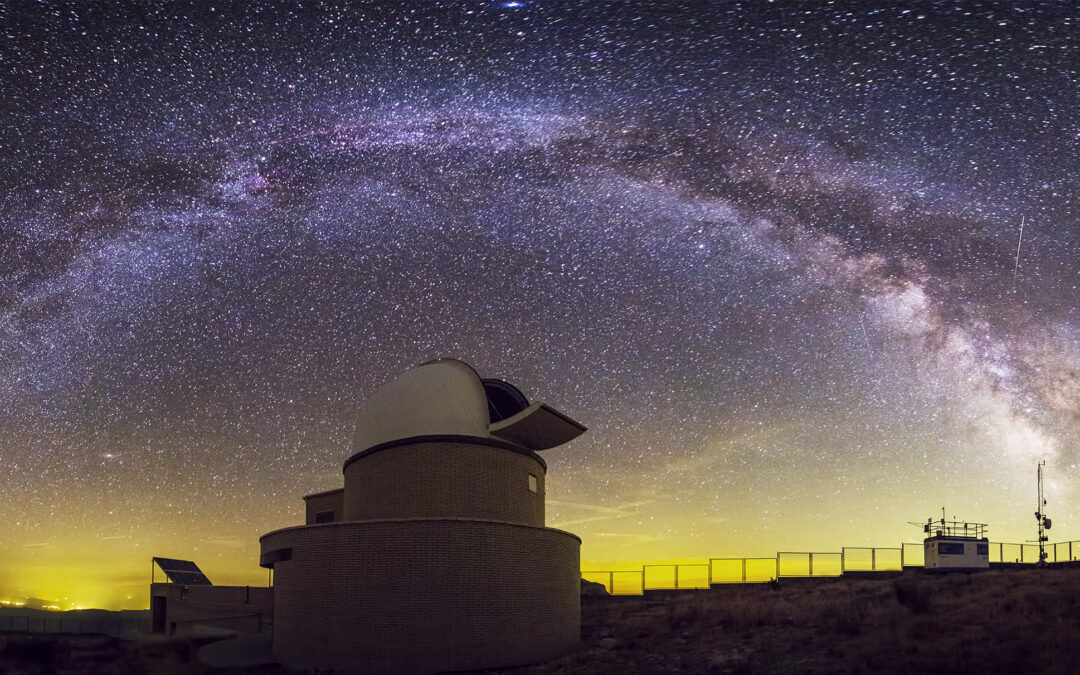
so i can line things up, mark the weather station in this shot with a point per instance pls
(954, 545)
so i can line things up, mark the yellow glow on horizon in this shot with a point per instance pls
(95, 549)
(84, 556)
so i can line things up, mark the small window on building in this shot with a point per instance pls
(951, 548)
(324, 516)
(532, 483)
(982, 549)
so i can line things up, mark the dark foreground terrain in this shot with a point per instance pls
(1003, 621)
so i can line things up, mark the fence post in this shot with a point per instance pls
(843, 559)
(901, 557)
(778, 567)
(811, 564)
(873, 560)
(744, 570)
(1001, 551)
(643, 579)
(611, 582)
(676, 577)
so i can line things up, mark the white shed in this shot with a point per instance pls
(955, 546)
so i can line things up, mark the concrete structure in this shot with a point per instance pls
(955, 546)
(181, 609)
(434, 555)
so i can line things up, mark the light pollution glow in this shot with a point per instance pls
(769, 255)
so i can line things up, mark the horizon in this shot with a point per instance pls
(137, 590)
(806, 274)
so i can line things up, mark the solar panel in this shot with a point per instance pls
(182, 572)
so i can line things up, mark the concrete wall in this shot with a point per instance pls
(424, 595)
(445, 480)
(187, 608)
(321, 502)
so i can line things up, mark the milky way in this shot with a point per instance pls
(766, 254)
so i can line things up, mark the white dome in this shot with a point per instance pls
(443, 397)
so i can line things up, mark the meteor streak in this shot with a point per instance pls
(1016, 265)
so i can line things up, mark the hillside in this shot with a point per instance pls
(1001, 621)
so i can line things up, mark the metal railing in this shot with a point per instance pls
(803, 564)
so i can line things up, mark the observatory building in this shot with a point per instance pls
(434, 555)
(952, 546)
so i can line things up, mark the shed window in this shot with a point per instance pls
(324, 517)
(532, 483)
(951, 548)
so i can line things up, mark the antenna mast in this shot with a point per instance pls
(1040, 516)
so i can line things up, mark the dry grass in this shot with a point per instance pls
(1002, 621)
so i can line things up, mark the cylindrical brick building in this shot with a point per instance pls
(434, 556)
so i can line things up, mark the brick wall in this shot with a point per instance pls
(445, 480)
(424, 595)
(332, 500)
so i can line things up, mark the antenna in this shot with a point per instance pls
(951, 528)
(1040, 517)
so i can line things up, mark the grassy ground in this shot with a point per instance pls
(1002, 621)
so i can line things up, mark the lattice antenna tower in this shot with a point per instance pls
(1040, 517)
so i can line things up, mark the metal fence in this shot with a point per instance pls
(1004, 552)
(804, 564)
(70, 625)
(741, 570)
(1026, 553)
(808, 564)
(913, 555)
(618, 582)
(674, 577)
(1065, 551)
(866, 559)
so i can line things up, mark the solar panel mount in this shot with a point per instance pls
(182, 572)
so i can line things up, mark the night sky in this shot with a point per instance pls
(769, 253)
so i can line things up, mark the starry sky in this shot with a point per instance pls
(807, 271)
